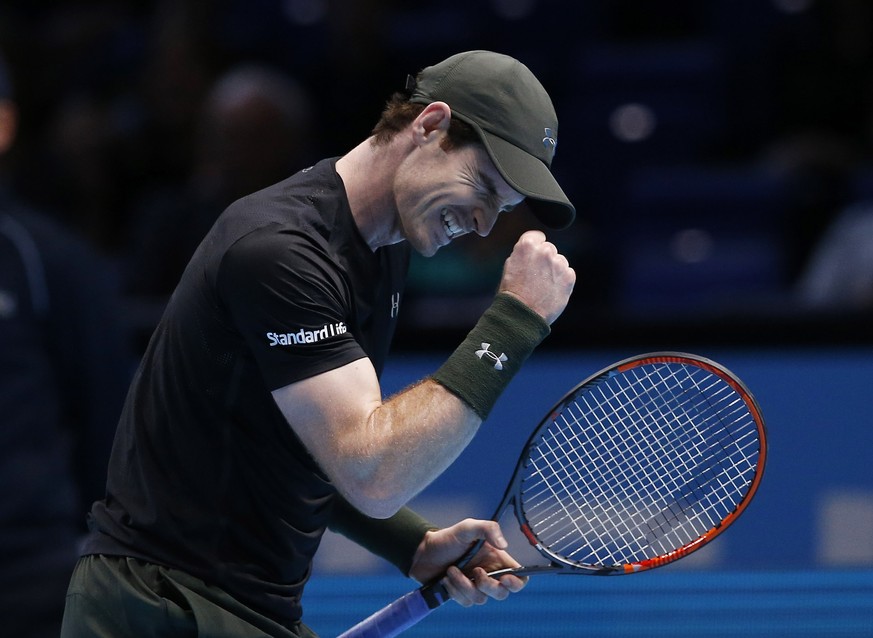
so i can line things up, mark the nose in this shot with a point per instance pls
(484, 220)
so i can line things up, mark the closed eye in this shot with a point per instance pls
(489, 194)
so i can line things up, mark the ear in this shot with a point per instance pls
(8, 125)
(431, 123)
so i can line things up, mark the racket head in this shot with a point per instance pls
(639, 465)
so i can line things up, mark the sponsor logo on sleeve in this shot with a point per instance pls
(302, 336)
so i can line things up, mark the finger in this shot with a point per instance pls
(513, 583)
(472, 530)
(477, 587)
(494, 535)
(491, 587)
(462, 589)
(532, 236)
(549, 248)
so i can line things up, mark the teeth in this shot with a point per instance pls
(451, 223)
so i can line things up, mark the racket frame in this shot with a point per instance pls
(558, 564)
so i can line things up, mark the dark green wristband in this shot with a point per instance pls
(395, 539)
(483, 365)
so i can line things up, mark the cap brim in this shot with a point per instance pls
(533, 179)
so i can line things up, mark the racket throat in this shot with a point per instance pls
(529, 535)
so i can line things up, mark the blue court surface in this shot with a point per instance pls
(659, 603)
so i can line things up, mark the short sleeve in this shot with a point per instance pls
(291, 303)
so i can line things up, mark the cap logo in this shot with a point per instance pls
(550, 141)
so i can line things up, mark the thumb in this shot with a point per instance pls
(473, 530)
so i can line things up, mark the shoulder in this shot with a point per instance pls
(279, 267)
(277, 249)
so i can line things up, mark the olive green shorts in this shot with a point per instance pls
(116, 596)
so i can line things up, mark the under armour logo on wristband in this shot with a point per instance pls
(498, 360)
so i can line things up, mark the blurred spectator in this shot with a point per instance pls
(839, 275)
(63, 374)
(818, 164)
(254, 129)
(181, 62)
(78, 157)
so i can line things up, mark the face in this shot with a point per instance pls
(442, 195)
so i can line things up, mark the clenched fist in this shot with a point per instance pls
(538, 275)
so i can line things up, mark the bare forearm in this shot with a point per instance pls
(410, 440)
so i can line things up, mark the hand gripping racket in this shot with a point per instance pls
(636, 467)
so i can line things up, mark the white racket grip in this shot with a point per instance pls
(395, 618)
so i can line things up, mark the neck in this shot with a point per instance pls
(368, 172)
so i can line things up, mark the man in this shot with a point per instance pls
(256, 419)
(64, 370)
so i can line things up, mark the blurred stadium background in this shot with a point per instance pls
(720, 154)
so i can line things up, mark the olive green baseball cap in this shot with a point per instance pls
(512, 113)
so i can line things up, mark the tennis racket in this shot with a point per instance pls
(636, 467)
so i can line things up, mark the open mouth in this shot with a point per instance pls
(451, 225)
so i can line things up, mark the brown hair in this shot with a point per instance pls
(399, 112)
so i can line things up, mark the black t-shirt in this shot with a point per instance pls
(206, 475)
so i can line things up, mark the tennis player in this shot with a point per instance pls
(256, 421)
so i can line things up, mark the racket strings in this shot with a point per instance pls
(662, 473)
(670, 511)
(642, 464)
(670, 486)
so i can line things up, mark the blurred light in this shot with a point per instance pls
(8, 305)
(305, 12)
(793, 6)
(845, 529)
(632, 122)
(513, 9)
(691, 246)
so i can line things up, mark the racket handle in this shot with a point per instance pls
(403, 613)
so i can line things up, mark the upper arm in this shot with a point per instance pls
(330, 414)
